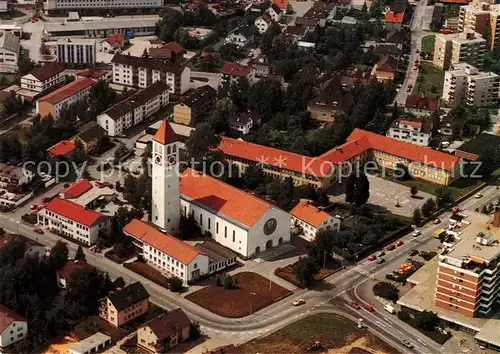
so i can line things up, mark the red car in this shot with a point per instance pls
(399, 243)
(354, 305)
(33, 206)
(372, 257)
(369, 308)
(390, 247)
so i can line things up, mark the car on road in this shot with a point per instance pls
(407, 343)
(46, 199)
(417, 51)
(33, 206)
(399, 243)
(436, 221)
(413, 253)
(38, 231)
(416, 233)
(380, 260)
(380, 254)
(408, 89)
(299, 302)
(372, 257)
(354, 305)
(369, 308)
(478, 195)
(390, 247)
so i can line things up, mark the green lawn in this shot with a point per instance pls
(428, 43)
(429, 81)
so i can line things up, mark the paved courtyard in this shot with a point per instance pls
(387, 194)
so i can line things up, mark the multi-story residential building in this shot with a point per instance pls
(464, 84)
(263, 22)
(65, 96)
(333, 100)
(243, 121)
(468, 276)
(275, 12)
(312, 220)
(164, 332)
(167, 253)
(450, 49)
(232, 72)
(361, 146)
(9, 51)
(414, 131)
(421, 106)
(63, 6)
(483, 18)
(195, 105)
(13, 327)
(122, 306)
(14, 176)
(142, 72)
(117, 119)
(76, 51)
(73, 220)
(385, 69)
(43, 77)
(172, 51)
(242, 36)
(90, 137)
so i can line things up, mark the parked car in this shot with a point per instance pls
(413, 253)
(299, 302)
(380, 260)
(407, 344)
(354, 305)
(33, 206)
(399, 243)
(478, 195)
(372, 257)
(380, 254)
(436, 221)
(38, 231)
(390, 247)
(46, 199)
(369, 308)
(416, 233)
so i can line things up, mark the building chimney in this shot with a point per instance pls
(496, 217)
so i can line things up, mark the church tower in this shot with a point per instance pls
(166, 206)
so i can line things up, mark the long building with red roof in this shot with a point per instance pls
(361, 146)
(72, 220)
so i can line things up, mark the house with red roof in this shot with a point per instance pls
(311, 219)
(232, 72)
(113, 43)
(62, 149)
(282, 4)
(66, 218)
(385, 69)
(13, 327)
(76, 189)
(64, 274)
(394, 20)
(412, 130)
(421, 106)
(263, 22)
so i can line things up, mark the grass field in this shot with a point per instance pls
(334, 332)
(429, 81)
(428, 43)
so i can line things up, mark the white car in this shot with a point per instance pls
(416, 233)
(478, 195)
(299, 302)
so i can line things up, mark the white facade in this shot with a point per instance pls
(76, 51)
(16, 331)
(310, 231)
(275, 14)
(262, 25)
(238, 39)
(406, 131)
(118, 125)
(171, 266)
(166, 202)
(236, 236)
(242, 127)
(77, 97)
(29, 82)
(465, 84)
(52, 5)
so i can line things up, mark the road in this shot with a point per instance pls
(416, 43)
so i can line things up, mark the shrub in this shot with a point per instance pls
(386, 290)
(404, 316)
(175, 284)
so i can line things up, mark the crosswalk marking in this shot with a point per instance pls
(364, 272)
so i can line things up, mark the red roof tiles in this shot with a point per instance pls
(117, 38)
(7, 317)
(282, 4)
(168, 244)
(69, 268)
(77, 188)
(62, 148)
(308, 213)
(165, 134)
(222, 198)
(92, 74)
(394, 17)
(175, 47)
(73, 211)
(67, 91)
(233, 69)
(415, 101)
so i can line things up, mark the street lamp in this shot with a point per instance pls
(251, 304)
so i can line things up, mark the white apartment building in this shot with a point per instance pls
(481, 17)
(51, 6)
(142, 72)
(117, 119)
(242, 36)
(312, 220)
(43, 77)
(76, 51)
(4, 6)
(417, 132)
(451, 49)
(9, 51)
(233, 72)
(465, 84)
(72, 220)
(167, 253)
(13, 327)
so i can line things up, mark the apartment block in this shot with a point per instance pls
(450, 49)
(194, 105)
(75, 51)
(43, 78)
(125, 304)
(483, 18)
(465, 84)
(415, 131)
(468, 276)
(117, 119)
(142, 72)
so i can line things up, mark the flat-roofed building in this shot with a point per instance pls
(9, 51)
(450, 49)
(481, 17)
(63, 6)
(76, 51)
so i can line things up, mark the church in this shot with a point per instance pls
(237, 220)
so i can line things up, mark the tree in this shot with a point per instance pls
(175, 284)
(228, 282)
(305, 269)
(201, 143)
(194, 331)
(386, 290)
(427, 320)
(80, 256)
(362, 191)
(349, 188)
(253, 176)
(188, 227)
(444, 196)
(167, 26)
(230, 52)
(484, 209)
(401, 173)
(59, 254)
(428, 207)
(219, 118)
(121, 151)
(413, 191)
(101, 96)
(417, 216)
(12, 252)
(25, 65)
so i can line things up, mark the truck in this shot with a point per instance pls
(390, 309)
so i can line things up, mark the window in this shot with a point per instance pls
(209, 223)
(234, 236)
(225, 231)
(195, 265)
(216, 227)
(201, 219)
